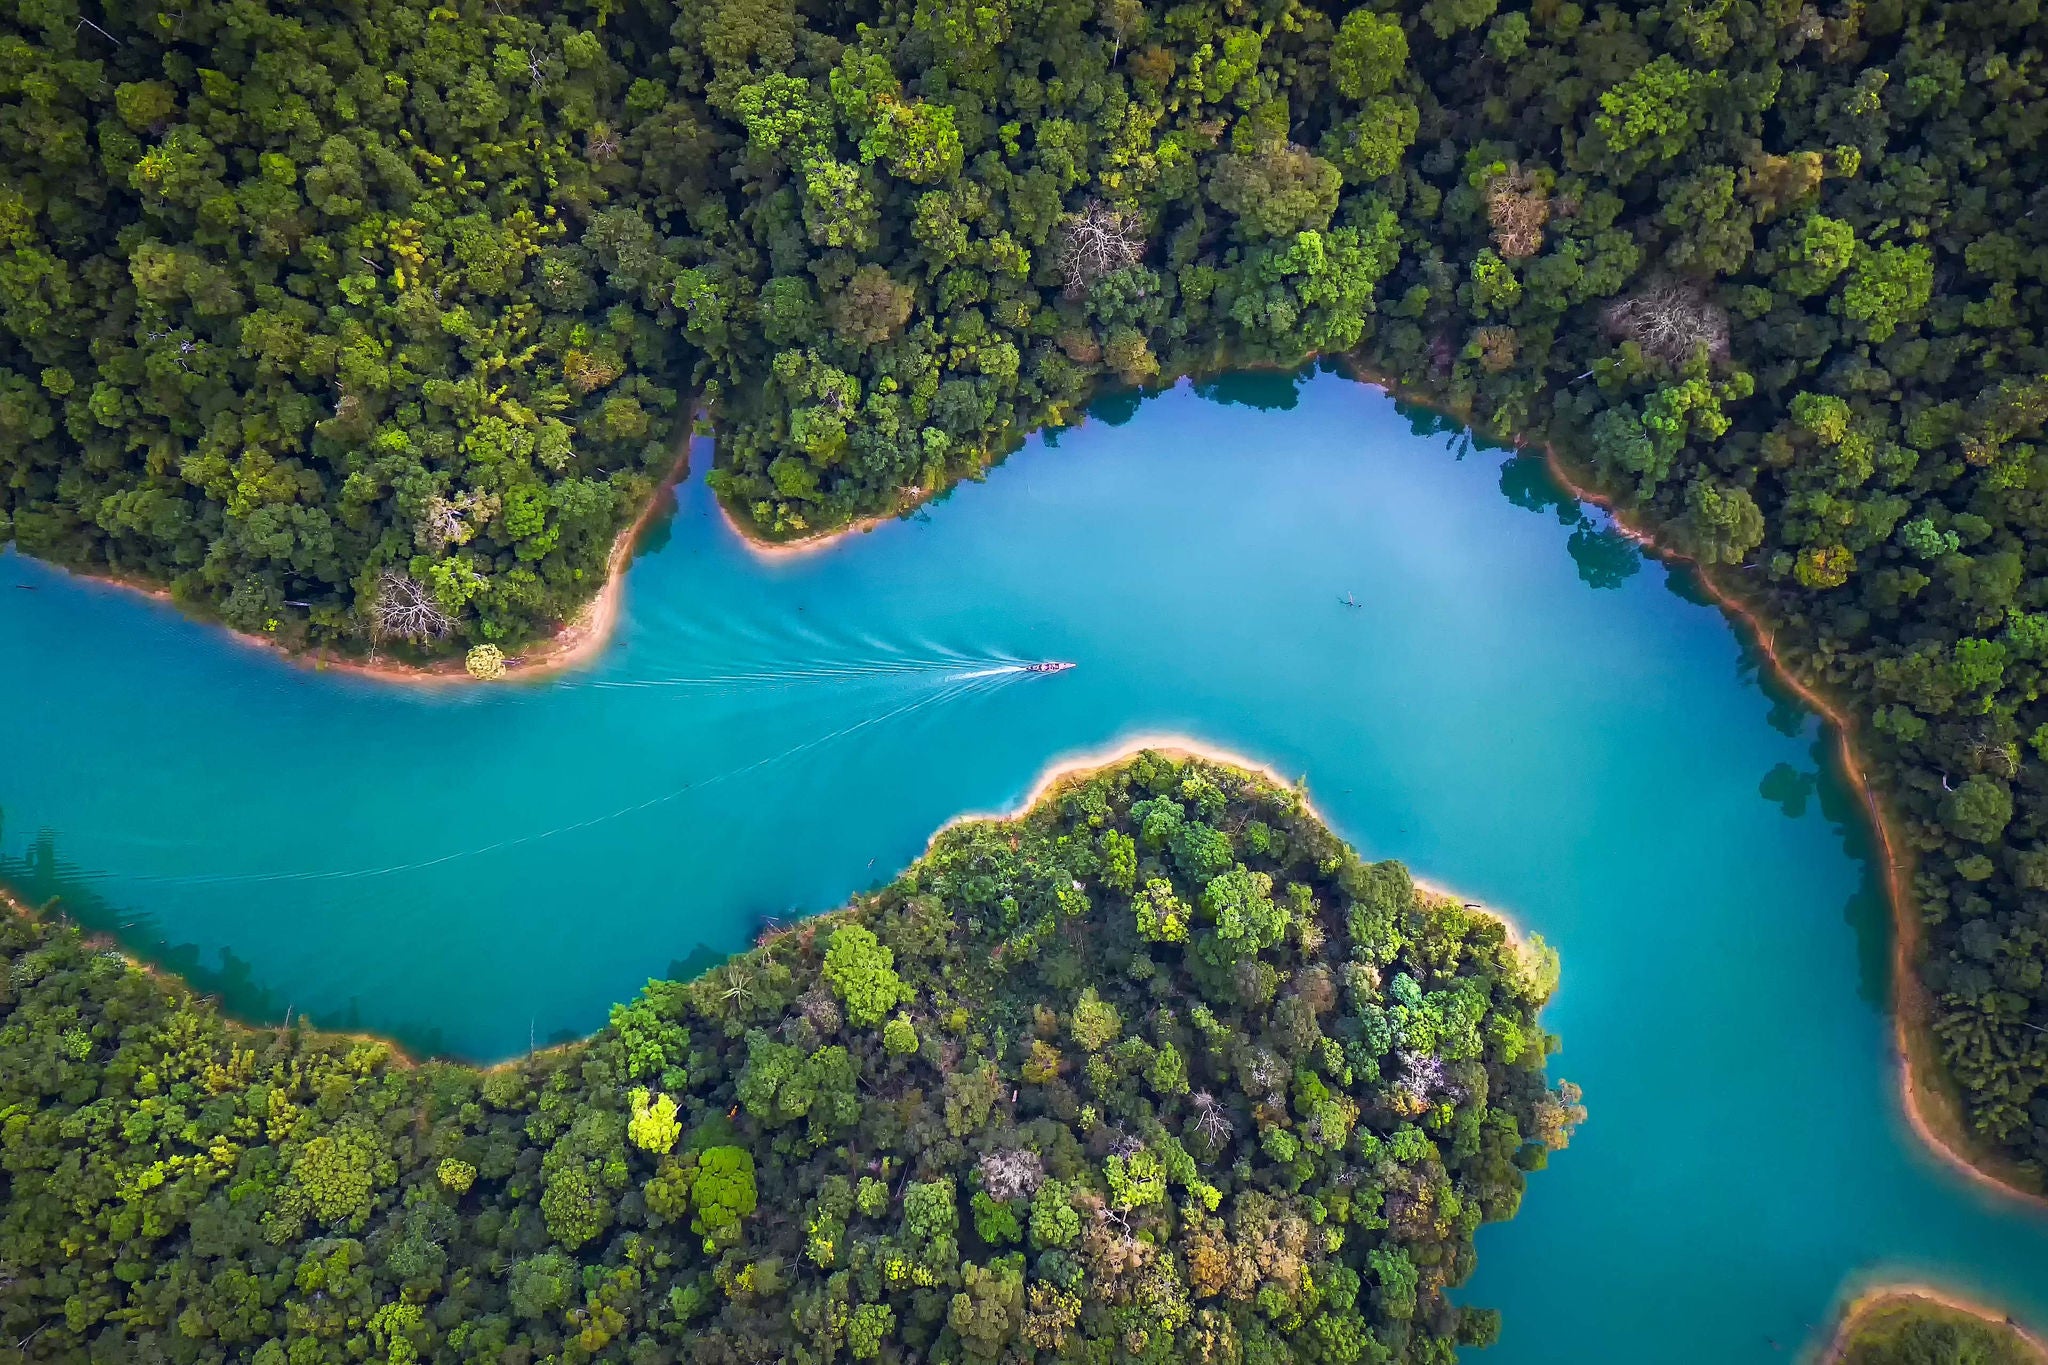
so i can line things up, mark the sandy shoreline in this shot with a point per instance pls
(579, 640)
(1882, 1296)
(1063, 769)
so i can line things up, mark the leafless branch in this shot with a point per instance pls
(1671, 321)
(1211, 1122)
(1517, 208)
(1098, 241)
(404, 609)
(541, 67)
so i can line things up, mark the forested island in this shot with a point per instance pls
(370, 324)
(1921, 1327)
(1158, 1071)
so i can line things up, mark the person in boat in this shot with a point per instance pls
(1048, 666)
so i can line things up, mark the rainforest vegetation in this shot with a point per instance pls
(1158, 1072)
(371, 322)
(1906, 1329)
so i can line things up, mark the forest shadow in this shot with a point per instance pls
(1790, 790)
(1788, 712)
(1796, 791)
(1602, 555)
(699, 960)
(1823, 780)
(1528, 483)
(1115, 407)
(1265, 390)
(62, 891)
(1868, 910)
(659, 525)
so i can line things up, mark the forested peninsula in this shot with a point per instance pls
(1913, 1326)
(1158, 1071)
(369, 324)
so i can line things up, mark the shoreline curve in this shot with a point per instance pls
(1880, 1296)
(803, 547)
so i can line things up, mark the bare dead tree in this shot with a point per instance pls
(1210, 1120)
(1424, 1076)
(1099, 240)
(1671, 321)
(1992, 754)
(404, 609)
(601, 143)
(1517, 208)
(1011, 1173)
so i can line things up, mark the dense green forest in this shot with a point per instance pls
(1159, 1072)
(1917, 1331)
(372, 322)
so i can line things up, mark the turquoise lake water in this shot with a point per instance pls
(1518, 706)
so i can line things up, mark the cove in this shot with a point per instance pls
(1518, 706)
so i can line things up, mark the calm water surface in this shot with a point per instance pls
(1518, 706)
